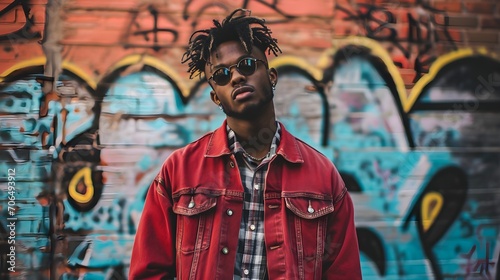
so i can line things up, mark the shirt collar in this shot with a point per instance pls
(288, 146)
(236, 147)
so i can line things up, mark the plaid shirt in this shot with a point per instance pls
(251, 254)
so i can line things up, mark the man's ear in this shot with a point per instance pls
(214, 97)
(273, 75)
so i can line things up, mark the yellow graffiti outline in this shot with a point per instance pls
(41, 61)
(434, 69)
(408, 99)
(286, 60)
(429, 218)
(38, 61)
(78, 197)
(378, 50)
(73, 68)
(155, 63)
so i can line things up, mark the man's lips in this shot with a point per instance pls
(242, 92)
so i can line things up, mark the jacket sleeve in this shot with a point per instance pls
(153, 254)
(341, 259)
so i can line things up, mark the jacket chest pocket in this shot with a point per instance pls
(307, 223)
(194, 221)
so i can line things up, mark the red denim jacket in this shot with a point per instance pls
(191, 219)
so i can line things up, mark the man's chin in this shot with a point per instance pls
(250, 114)
(247, 113)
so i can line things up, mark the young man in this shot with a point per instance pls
(249, 200)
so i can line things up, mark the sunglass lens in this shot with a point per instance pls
(222, 76)
(246, 66)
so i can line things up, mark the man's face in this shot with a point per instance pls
(243, 97)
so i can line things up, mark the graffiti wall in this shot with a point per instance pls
(403, 96)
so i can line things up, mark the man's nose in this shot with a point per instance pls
(236, 77)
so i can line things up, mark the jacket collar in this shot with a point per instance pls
(288, 148)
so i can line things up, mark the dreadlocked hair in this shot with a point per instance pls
(248, 30)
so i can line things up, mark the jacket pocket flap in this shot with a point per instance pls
(190, 205)
(309, 208)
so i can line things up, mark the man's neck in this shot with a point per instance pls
(256, 135)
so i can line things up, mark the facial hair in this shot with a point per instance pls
(250, 112)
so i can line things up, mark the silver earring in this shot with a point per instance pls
(220, 106)
(274, 87)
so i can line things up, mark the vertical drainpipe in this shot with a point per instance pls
(52, 49)
(52, 35)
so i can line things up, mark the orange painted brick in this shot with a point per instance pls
(384, 16)
(16, 14)
(384, 3)
(451, 7)
(296, 8)
(419, 32)
(7, 54)
(401, 15)
(6, 29)
(310, 34)
(400, 59)
(38, 12)
(90, 37)
(11, 54)
(402, 31)
(343, 29)
(346, 3)
(36, 2)
(10, 16)
(365, 2)
(408, 75)
(101, 5)
(455, 34)
(440, 19)
(340, 12)
(406, 2)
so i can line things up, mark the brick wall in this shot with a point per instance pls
(403, 96)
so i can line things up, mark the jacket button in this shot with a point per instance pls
(229, 212)
(225, 251)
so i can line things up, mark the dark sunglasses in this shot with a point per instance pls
(246, 67)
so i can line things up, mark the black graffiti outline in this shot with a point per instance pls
(365, 17)
(24, 33)
(156, 46)
(273, 5)
(426, 45)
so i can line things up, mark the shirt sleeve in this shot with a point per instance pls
(153, 254)
(341, 259)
